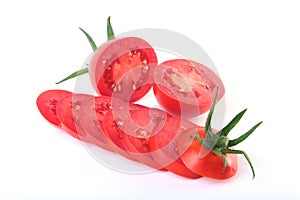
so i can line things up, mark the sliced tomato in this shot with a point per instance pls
(46, 103)
(123, 67)
(186, 88)
(164, 150)
(201, 160)
(67, 110)
(90, 119)
(137, 130)
(114, 125)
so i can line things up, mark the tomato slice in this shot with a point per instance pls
(67, 110)
(164, 150)
(90, 119)
(201, 160)
(113, 125)
(137, 130)
(46, 103)
(185, 88)
(123, 67)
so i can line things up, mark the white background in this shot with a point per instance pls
(254, 45)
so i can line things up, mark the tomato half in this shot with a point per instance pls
(123, 67)
(67, 110)
(46, 103)
(201, 160)
(185, 88)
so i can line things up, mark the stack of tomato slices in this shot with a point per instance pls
(146, 135)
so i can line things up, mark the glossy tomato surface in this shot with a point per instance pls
(186, 88)
(67, 110)
(201, 160)
(46, 103)
(123, 67)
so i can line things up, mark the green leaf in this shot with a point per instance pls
(225, 131)
(243, 137)
(223, 157)
(110, 31)
(73, 75)
(208, 130)
(233, 151)
(90, 39)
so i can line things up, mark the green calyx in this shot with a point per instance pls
(218, 142)
(110, 35)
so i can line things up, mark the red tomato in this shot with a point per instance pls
(164, 150)
(90, 119)
(46, 103)
(123, 67)
(201, 160)
(183, 87)
(67, 110)
(113, 127)
(137, 130)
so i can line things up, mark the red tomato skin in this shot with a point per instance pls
(210, 165)
(164, 150)
(46, 103)
(67, 110)
(177, 105)
(107, 53)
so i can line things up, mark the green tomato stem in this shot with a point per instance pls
(90, 39)
(231, 151)
(75, 74)
(110, 31)
(243, 137)
(225, 131)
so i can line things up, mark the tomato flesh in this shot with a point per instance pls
(147, 122)
(186, 88)
(90, 118)
(67, 110)
(123, 67)
(46, 103)
(164, 149)
(201, 160)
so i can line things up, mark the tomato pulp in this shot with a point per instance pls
(186, 88)
(46, 103)
(67, 110)
(123, 67)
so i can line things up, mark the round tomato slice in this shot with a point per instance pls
(46, 103)
(201, 160)
(123, 67)
(90, 119)
(67, 110)
(113, 125)
(137, 130)
(164, 150)
(185, 88)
